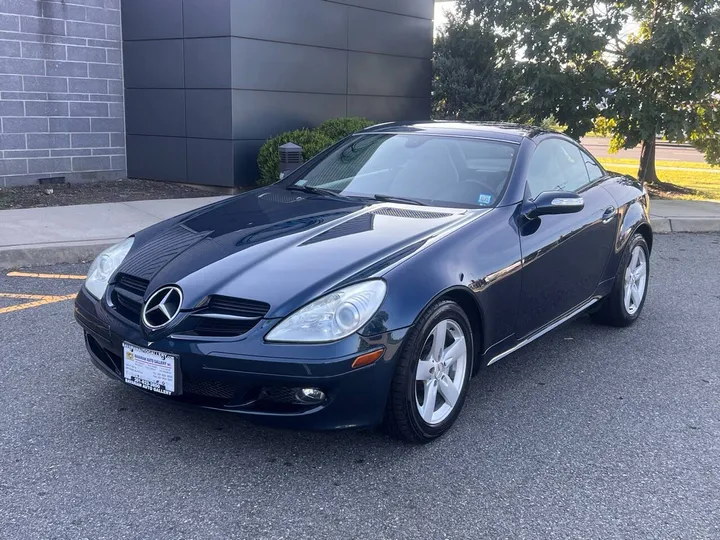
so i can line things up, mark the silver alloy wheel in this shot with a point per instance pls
(635, 280)
(440, 373)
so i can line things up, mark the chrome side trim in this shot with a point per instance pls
(545, 330)
(225, 317)
(568, 202)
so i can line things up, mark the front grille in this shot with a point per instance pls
(227, 305)
(133, 284)
(208, 388)
(225, 316)
(127, 296)
(212, 327)
(128, 305)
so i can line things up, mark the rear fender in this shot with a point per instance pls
(634, 218)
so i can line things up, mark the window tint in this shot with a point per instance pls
(594, 170)
(432, 169)
(556, 165)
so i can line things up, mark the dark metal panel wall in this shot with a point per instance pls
(156, 112)
(154, 64)
(306, 22)
(413, 8)
(209, 114)
(157, 158)
(283, 67)
(206, 18)
(208, 62)
(261, 114)
(207, 81)
(383, 75)
(395, 108)
(385, 33)
(152, 19)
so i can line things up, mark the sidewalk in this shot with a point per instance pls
(685, 216)
(70, 234)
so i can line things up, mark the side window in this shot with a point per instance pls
(594, 170)
(556, 165)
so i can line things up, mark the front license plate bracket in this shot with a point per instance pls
(151, 370)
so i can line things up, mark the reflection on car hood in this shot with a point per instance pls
(280, 247)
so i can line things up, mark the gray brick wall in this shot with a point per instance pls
(61, 91)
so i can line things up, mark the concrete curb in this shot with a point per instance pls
(49, 254)
(685, 225)
(78, 252)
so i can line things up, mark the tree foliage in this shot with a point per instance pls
(339, 128)
(474, 73)
(575, 60)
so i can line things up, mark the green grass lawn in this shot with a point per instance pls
(696, 181)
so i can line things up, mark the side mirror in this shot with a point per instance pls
(553, 202)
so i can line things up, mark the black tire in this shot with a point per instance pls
(613, 311)
(402, 418)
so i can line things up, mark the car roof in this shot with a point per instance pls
(481, 130)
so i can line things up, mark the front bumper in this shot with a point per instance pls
(253, 379)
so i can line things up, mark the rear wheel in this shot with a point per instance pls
(431, 378)
(623, 305)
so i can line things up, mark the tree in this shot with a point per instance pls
(668, 76)
(575, 64)
(475, 75)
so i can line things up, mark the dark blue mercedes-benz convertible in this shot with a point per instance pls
(369, 285)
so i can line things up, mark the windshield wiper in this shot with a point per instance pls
(315, 190)
(402, 200)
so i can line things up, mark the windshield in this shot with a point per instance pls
(424, 169)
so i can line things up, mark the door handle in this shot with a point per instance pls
(610, 212)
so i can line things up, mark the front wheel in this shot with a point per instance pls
(431, 377)
(623, 305)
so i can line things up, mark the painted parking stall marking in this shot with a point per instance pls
(44, 276)
(30, 300)
(36, 300)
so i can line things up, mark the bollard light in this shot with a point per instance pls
(290, 158)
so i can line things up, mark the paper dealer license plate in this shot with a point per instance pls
(148, 369)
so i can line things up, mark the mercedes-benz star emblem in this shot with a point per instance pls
(162, 307)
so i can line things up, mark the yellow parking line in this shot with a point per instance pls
(37, 301)
(44, 276)
(24, 296)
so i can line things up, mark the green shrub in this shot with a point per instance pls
(312, 143)
(339, 128)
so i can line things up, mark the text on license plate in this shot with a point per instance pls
(148, 369)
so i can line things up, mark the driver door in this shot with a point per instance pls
(564, 256)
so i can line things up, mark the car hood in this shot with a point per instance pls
(281, 247)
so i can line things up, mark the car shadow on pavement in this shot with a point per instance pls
(166, 430)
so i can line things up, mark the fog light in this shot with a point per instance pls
(310, 395)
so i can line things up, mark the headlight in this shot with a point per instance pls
(104, 266)
(333, 316)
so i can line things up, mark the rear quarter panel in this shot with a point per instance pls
(633, 205)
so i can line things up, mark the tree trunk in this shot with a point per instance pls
(647, 173)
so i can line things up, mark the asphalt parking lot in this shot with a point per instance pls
(590, 432)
